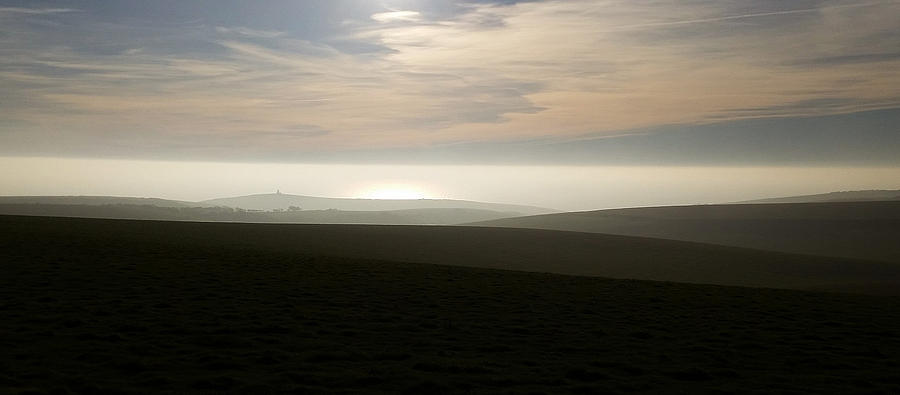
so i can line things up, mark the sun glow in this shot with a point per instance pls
(394, 192)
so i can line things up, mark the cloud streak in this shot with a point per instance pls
(35, 11)
(397, 16)
(408, 78)
(748, 16)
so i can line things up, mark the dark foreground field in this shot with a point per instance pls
(532, 250)
(99, 311)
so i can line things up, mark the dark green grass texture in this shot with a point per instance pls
(93, 314)
(533, 250)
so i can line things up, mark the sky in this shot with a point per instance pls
(552, 85)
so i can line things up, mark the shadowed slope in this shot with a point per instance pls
(859, 230)
(93, 306)
(843, 196)
(513, 249)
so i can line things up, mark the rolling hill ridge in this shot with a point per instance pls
(271, 201)
(841, 196)
(533, 250)
(424, 216)
(858, 230)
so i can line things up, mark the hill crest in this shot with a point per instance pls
(271, 201)
(837, 196)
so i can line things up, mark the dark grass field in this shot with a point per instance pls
(534, 250)
(88, 307)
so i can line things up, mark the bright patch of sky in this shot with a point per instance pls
(303, 81)
(559, 187)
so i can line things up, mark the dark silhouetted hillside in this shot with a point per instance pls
(273, 201)
(426, 216)
(96, 201)
(531, 250)
(420, 216)
(843, 196)
(111, 306)
(861, 230)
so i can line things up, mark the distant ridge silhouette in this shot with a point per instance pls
(841, 196)
(280, 200)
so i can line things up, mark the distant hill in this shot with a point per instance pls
(263, 207)
(843, 196)
(418, 216)
(96, 201)
(534, 250)
(273, 201)
(425, 216)
(862, 230)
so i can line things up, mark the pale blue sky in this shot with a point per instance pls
(416, 81)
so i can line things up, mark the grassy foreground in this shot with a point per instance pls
(532, 250)
(93, 313)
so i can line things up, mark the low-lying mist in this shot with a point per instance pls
(559, 187)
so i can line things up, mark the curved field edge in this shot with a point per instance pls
(94, 306)
(531, 250)
(855, 230)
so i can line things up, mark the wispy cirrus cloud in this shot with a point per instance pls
(247, 32)
(481, 72)
(621, 65)
(34, 11)
(746, 16)
(397, 16)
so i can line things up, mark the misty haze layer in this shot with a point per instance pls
(596, 103)
(558, 187)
